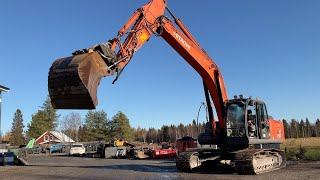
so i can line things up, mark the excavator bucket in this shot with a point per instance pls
(73, 81)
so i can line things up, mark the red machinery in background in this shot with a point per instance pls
(167, 150)
(184, 143)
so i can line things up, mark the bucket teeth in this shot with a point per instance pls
(73, 81)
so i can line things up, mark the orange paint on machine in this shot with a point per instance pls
(276, 129)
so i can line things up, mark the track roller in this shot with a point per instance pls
(187, 161)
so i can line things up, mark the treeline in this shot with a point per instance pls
(301, 129)
(96, 126)
(168, 133)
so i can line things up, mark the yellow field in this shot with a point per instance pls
(304, 142)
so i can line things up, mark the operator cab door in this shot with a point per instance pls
(263, 119)
(257, 121)
(252, 122)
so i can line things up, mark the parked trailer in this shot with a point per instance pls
(164, 153)
(116, 149)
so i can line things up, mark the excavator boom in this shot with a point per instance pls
(73, 81)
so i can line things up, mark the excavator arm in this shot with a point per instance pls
(73, 81)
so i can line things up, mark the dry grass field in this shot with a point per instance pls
(302, 148)
(305, 142)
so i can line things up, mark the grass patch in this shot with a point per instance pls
(302, 149)
(312, 156)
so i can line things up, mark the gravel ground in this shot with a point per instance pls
(65, 167)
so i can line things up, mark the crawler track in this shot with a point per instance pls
(258, 161)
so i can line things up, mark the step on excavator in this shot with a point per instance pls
(246, 137)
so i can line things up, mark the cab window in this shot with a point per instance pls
(265, 125)
(235, 120)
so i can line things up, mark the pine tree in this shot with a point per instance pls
(149, 138)
(286, 129)
(38, 125)
(120, 127)
(302, 129)
(165, 133)
(17, 137)
(51, 113)
(83, 133)
(96, 124)
(294, 128)
(44, 120)
(308, 128)
(317, 127)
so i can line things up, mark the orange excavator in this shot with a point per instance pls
(247, 138)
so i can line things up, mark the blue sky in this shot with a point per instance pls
(267, 49)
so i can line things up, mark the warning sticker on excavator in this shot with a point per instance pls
(143, 37)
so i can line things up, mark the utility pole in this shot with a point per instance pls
(2, 89)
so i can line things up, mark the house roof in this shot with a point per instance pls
(2, 88)
(62, 138)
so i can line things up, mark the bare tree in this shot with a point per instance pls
(70, 125)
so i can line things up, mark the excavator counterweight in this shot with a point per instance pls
(73, 81)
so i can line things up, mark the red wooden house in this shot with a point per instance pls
(53, 137)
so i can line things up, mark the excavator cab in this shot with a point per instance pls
(247, 123)
(240, 115)
(235, 119)
(73, 81)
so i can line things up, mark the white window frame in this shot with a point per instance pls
(46, 138)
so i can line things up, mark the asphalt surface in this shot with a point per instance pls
(65, 167)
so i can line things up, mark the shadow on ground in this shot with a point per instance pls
(152, 168)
